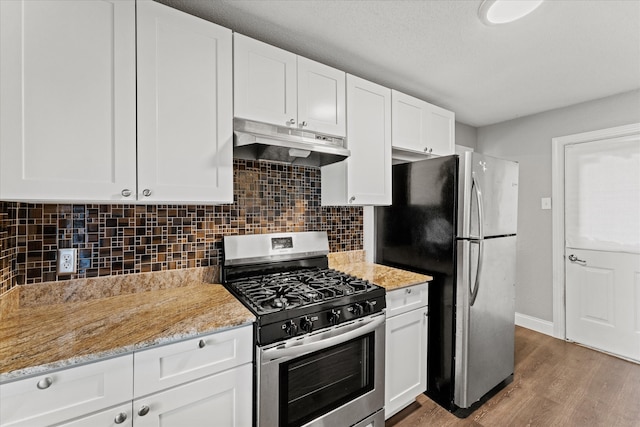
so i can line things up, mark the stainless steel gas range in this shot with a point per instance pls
(319, 332)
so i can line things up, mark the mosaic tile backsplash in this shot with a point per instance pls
(123, 239)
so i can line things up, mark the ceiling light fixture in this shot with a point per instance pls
(493, 12)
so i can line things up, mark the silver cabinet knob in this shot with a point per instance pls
(126, 192)
(426, 149)
(201, 344)
(303, 124)
(146, 192)
(44, 383)
(352, 199)
(430, 150)
(144, 410)
(408, 290)
(120, 418)
(291, 122)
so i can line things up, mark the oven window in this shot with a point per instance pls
(315, 384)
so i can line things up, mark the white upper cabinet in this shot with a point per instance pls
(321, 98)
(420, 127)
(364, 178)
(68, 104)
(265, 82)
(185, 117)
(278, 87)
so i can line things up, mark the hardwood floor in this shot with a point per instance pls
(555, 384)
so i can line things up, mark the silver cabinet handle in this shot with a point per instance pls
(291, 122)
(408, 290)
(303, 124)
(574, 258)
(120, 418)
(430, 150)
(352, 199)
(146, 192)
(144, 410)
(426, 149)
(126, 192)
(44, 383)
(201, 344)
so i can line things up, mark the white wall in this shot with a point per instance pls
(528, 141)
(466, 135)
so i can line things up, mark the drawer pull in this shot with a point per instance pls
(201, 344)
(408, 290)
(120, 418)
(143, 411)
(45, 383)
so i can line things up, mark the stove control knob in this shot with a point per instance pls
(356, 309)
(334, 316)
(306, 324)
(290, 328)
(369, 306)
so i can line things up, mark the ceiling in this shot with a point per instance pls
(565, 52)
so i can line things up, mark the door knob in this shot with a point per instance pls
(574, 258)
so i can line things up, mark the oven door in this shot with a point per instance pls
(334, 377)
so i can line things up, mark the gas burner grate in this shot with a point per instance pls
(282, 291)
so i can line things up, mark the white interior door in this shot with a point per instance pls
(602, 244)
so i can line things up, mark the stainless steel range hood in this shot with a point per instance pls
(261, 141)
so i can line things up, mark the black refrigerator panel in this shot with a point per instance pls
(417, 232)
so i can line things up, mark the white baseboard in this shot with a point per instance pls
(535, 324)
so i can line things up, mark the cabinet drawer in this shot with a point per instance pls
(120, 416)
(405, 299)
(58, 396)
(173, 364)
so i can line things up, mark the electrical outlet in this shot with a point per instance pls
(67, 261)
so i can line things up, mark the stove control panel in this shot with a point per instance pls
(304, 323)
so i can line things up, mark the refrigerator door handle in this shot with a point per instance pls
(473, 292)
(476, 187)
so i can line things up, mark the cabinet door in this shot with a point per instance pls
(409, 127)
(185, 121)
(62, 395)
(67, 111)
(224, 399)
(440, 130)
(420, 127)
(364, 178)
(405, 359)
(368, 169)
(264, 83)
(321, 98)
(120, 416)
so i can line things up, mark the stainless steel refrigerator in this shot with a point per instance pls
(455, 218)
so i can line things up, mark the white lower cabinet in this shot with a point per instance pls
(56, 397)
(224, 399)
(406, 347)
(198, 382)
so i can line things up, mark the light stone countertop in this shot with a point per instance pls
(390, 278)
(36, 338)
(61, 324)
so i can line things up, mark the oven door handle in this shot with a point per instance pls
(323, 340)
